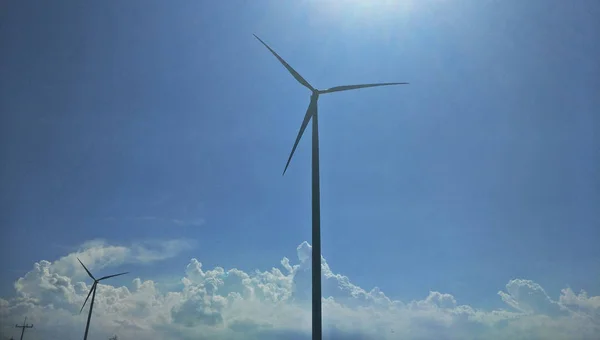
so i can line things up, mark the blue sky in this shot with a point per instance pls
(146, 122)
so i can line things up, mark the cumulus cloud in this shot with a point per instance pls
(219, 303)
(529, 297)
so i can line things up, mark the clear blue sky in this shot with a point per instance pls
(153, 120)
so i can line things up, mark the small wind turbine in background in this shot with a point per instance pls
(311, 113)
(93, 293)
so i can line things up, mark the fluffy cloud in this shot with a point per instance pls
(97, 255)
(231, 304)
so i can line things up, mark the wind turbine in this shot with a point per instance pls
(311, 113)
(93, 292)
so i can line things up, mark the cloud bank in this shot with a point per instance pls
(223, 303)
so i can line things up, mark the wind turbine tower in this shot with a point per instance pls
(311, 113)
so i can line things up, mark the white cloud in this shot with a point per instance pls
(97, 255)
(231, 304)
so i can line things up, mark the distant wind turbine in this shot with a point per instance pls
(93, 292)
(311, 112)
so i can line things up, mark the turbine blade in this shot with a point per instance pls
(289, 68)
(309, 113)
(354, 87)
(88, 296)
(84, 267)
(109, 276)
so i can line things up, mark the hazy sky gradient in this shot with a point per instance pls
(147, 121)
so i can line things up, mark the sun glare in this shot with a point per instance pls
(364, 12)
